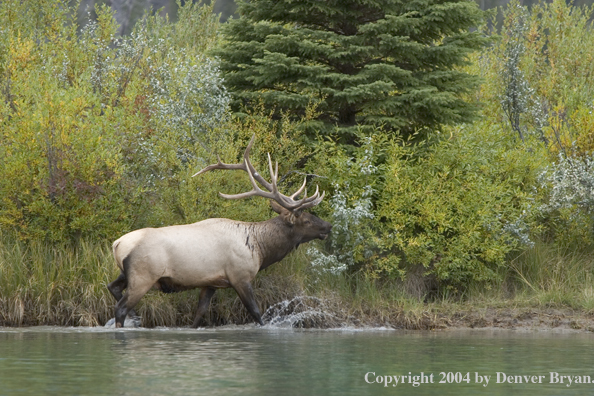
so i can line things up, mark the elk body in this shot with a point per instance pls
(214, 253)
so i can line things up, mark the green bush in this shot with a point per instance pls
(537, 77)
(458, 207)
(94, 127)
(352, 176)
(538, 85)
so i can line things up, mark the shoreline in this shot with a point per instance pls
(528, 319)
(333, 312)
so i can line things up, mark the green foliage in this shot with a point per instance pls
(460, 206)
(390, 63)
(87, 137)
(545, 60)
(59, 155)
(456, 206)
(354, 181)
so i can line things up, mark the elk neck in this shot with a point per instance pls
(274, 239)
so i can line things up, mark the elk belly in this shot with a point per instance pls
(169, 285)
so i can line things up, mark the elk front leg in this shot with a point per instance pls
(246, 294)
(205, 295)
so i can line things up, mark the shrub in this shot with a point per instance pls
(94, 127)
(353, 182)
(458, 207)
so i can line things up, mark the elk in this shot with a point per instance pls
(215, 253)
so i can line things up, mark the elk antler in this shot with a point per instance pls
(288, 202)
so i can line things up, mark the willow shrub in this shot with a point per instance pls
(537, 76)
(94, 128)
(458, 207)
(353, 180)
(537, 83)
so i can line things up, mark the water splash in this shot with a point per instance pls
(303, 312)
(130, 321)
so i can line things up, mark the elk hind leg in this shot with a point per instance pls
(116, 288)
(246, 294)
(129, 301)
(205, 295)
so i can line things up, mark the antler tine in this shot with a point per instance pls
(313, 203)
(256, 175)
(245, 165)
(314, 196)
(296, 194)
(273, 174)
(219, 165)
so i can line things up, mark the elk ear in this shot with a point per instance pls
(287, 215)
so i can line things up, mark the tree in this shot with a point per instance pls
(386, 63)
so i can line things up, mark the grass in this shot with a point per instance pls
(67, 286)
(59, 285)
(551, 276)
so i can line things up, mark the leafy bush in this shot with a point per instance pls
(568, 185)
(543, 61)
(94, 126)
(458, 207)
(353, 182)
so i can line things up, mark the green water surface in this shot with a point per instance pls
(249, 360)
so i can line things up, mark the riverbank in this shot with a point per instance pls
(310, 312)
(60, 286)
(302, 311)
(522, 319)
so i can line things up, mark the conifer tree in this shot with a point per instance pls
(391, 63)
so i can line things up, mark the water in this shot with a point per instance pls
(249, 360)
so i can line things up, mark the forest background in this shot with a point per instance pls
(475, 191)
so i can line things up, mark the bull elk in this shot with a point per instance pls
(215, 253)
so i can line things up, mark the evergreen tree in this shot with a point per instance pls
(363, 62)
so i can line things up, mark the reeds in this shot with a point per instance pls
(58, 285)
(66, 285)
(555, 277)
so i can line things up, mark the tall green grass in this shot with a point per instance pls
(54, 284)
(550, 275)
(66, 285)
